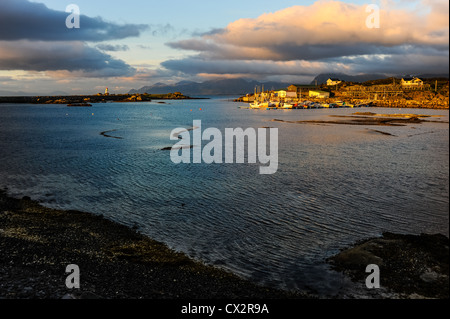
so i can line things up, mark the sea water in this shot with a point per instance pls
(335, 184)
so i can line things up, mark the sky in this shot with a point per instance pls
(130, 44)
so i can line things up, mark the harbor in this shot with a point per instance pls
(390, 93)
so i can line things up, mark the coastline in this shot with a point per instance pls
(116, 262)
(99, 98)
(375, 104)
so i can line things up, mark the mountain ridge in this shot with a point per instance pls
(212, 87)
(243, 87)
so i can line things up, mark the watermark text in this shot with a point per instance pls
(373, 20)
(73, 20)
(229, 147)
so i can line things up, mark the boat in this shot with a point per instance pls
(274, 105)
(255, 105)
(287, 106)
(260, 105)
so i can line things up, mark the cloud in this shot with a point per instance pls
(35, 38)
(162, 30)
(73, 56)
(5, 78)
(198, 65)
(144, 47)
(112, 48)
(332, 33)
(24, 20)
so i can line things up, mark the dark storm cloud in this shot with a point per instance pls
(279, 52)
(196, 65)
(24, 20)
(60, 56)
(35, 38)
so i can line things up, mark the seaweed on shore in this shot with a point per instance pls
(116, 262)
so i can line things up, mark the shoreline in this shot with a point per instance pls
(100, 98)
(386, 104)
(117, 262)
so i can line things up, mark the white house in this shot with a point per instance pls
(333, 81)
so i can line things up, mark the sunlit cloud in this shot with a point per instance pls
(333, 34)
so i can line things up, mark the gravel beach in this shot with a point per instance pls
(116, 262)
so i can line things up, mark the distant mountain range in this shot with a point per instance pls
(243, 87)
(214, 87)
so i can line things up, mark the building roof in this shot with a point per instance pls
(319, 91)
(411, 78)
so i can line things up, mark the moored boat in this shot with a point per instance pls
(287, 106)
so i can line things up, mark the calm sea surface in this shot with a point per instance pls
(336, 184)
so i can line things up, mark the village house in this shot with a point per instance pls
(319, 94)
(283, 95)
(291, 95)
(412, 83)
(293, 88)
(333, 81)
(298, 90)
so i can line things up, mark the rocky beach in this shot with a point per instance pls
(411, 267)
(116, 262)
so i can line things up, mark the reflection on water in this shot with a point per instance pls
(336, 184)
